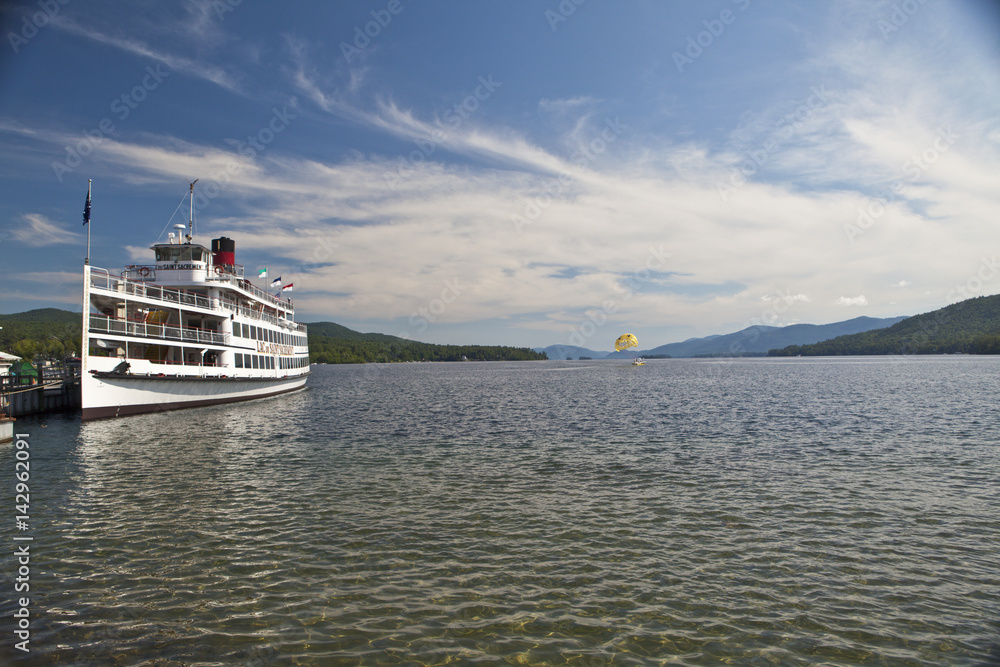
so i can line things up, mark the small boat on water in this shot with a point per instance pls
(184, 331)
(638, 361)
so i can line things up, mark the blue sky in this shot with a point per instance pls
(524, 173)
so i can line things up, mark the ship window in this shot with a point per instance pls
(246, 330)
(196, 254)
(239, 360)
(253, 332)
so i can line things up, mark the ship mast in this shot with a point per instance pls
(190, 234)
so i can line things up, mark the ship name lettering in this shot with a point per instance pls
(274, 348)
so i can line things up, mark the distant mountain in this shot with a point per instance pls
(970, 327)
(334, 330)
(752, 340)
(760, 339)
(560, 352)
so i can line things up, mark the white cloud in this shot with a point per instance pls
(53, 277)
(36, 230)
(220, 76)
(852, 301)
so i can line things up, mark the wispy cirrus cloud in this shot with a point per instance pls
(36, 230)
(220, 76)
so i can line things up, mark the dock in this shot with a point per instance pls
(55, 389)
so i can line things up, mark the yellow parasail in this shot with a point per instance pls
(626, 341)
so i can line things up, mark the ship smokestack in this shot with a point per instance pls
(223, 251)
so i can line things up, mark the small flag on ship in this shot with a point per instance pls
(276, 282)
(262, 273)
(287, 288)
(86, 208)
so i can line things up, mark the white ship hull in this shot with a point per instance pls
(136, 394)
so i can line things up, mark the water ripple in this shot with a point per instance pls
(760, 512)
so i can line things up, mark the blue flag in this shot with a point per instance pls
(86, 209)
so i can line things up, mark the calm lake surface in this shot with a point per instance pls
(694, 512)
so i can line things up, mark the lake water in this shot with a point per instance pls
(696, 512)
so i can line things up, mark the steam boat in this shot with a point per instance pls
(186, 331)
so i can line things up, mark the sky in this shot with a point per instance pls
(515, 173)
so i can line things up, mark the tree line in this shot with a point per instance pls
(329, 350)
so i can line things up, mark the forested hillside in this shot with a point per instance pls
(47, 332)
(333, 344)
(967, 327)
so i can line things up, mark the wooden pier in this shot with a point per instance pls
(56, 389)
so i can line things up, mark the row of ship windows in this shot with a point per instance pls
(267, 362)
(267, 335)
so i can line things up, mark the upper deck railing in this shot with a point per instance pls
(104, 280)
(237, 280)
(110, 325)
